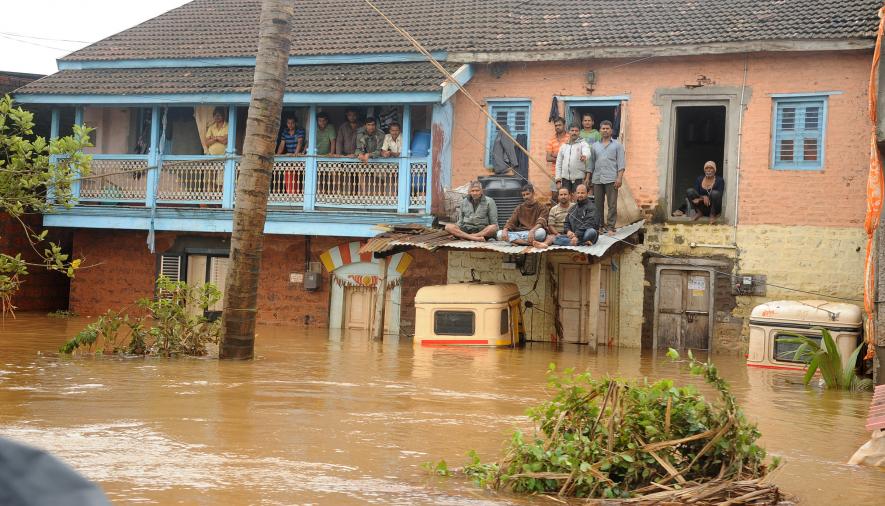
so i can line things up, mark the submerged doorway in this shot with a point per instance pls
(698, 136)
(683, 303)
(588, 306)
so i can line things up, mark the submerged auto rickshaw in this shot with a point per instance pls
(777, 319)
(469, 314)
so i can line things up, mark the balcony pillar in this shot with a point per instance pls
(405, 168)
(310, 167)
(153, 172)
(230, 163)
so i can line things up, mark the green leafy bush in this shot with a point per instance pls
(614, 438)
(172, 324)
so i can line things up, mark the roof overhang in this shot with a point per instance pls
(344, 84)
(758, 46)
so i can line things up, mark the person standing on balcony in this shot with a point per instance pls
(393, 142)
(528, 223)
(608, 175)
(560, 137)
(345, 143)
(216, 134)
(325, 135)
(573, 161)
(369, 141)
(588, 133)
(291, 141)
(479, 216)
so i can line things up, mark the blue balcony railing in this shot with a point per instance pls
(397, 185)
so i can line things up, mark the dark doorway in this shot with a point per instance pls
(599, 114)
(700, 136)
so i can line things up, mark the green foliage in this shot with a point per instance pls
(179, 326)
(439, 468)
(827, 360)
(611, 438)
(27, 174)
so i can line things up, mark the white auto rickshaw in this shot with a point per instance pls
(777, 319)
(469, 314)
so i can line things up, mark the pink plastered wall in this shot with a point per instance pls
(833, 196)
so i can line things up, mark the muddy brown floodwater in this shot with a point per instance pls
(338, 420)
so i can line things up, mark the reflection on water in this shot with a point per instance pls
(341, 419)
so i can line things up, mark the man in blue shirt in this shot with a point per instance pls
(608, 175)
(291, 140)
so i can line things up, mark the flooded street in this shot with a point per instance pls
(319, 419)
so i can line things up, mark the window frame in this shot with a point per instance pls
(505, 103)
(436, 329)
(800, 102)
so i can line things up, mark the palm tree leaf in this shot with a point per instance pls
(812, 368)
(849, 376)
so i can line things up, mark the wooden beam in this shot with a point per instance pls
(609, 52)
(381, 301)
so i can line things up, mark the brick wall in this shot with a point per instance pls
(41, 290)
(832, 197)
(124, 271)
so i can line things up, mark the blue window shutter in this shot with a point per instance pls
(798, 137)
(515, 115)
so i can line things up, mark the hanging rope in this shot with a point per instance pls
(449, 77)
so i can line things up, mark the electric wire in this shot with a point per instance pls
(730, 275)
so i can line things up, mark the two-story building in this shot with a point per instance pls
(774, 93)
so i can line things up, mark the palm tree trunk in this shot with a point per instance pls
(262, 124)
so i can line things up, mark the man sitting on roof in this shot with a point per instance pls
(528, 222)
(479, 216)
(556, 218)
(582, 222)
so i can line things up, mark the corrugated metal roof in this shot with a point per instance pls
(432, 239)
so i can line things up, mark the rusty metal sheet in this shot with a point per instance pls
(432, 239)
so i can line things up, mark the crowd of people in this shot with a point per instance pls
(353, 138)
(588, 167)
(572, 220)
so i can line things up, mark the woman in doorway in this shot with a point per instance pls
(705, 197)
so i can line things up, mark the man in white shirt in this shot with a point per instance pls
(393, 142)
(574, 162)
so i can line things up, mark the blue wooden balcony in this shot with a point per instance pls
(309, 194)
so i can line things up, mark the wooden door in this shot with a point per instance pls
(359, 304)
(696, 317)
(218, 276)
(572, 282)
(683, 319)
(604, 315)
(359, 308)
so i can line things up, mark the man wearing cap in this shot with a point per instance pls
(479, 216)
(528, 222)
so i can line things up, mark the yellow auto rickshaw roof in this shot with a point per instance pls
(808, 311)
(467, 293)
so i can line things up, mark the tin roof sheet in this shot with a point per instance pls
(432, 239)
